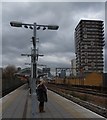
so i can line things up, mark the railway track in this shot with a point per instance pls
(79, 89)
(67, 92)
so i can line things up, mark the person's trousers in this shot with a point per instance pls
(41, 107)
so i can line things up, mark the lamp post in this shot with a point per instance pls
(34, 56)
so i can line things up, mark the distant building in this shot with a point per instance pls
(46, 70)
(63, 73)
(73, 67)
(89, 42)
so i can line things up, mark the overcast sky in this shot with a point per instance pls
(58, 46)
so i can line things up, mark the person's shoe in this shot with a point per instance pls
(43, 110)
(40, 109)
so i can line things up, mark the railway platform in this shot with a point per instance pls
(17, 104)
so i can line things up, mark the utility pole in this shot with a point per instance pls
(34, 57)
(33, 72)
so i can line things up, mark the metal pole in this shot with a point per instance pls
(33, 75)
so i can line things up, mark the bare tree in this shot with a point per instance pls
(8, 72)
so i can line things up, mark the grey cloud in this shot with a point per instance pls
(57, 43)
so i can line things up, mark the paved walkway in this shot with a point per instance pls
(18, 105)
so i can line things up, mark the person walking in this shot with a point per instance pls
(41, 94)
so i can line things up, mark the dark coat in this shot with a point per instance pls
(41, 93)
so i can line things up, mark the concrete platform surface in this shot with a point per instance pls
(18, 105)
